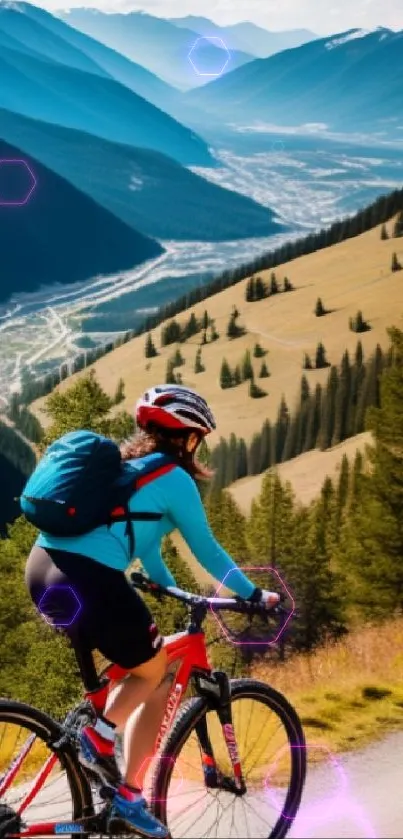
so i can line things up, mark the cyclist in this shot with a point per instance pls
(114, 619)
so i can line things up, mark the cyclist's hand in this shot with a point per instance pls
(269, 599)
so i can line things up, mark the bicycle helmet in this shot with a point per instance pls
(174, 407)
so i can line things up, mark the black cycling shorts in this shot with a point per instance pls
(93, 604)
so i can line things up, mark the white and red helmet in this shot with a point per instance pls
(174, 407)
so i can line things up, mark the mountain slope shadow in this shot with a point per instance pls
(59, 235)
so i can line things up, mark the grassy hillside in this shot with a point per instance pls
(352, 275)
(305, 473)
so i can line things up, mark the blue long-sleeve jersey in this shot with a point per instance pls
(174, 495)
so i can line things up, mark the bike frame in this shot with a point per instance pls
(189, 650)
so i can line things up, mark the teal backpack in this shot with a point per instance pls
(82, 483)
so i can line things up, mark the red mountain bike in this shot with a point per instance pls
(230, 761)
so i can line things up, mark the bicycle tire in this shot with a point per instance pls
(49, 730)
(193, 710)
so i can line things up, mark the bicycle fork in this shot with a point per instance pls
(216, 688)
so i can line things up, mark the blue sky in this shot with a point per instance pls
(322, 16)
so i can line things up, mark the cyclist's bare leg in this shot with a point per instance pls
(143, 687)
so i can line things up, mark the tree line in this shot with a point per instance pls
(324, 416)
(379, 212)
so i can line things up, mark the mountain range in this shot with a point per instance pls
(344, 82)
(246, 36)
(157, 44)
(145, 189)
(75, 91)
(60, 235)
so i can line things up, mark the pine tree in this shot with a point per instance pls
(247, 367)
(384, 233)
(358, 324)
(199, 367)
(214, 335)
(288, 286)
(256, 392)
(254, 455)
(273, 284)
(226, 380)
(264, 373)
(302, 415)
(170, 377)
(319, 308)
(150, 349)
(266, 446)
(320, 357)
(307, 363)
(313, 419)
(241, 459)
(177, 359)
(258, 351)
(250, 290)
(233, 330)
(119, 392)
(395, 266)
(237, 376)
(328, 410)
(398, 226)
(342, 402)
(260, 289)
(375, 546)
(205, 321)
(281, 429)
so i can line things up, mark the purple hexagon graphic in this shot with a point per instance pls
(74, 606)
(255, 643)
(192, 56)
(20, 200)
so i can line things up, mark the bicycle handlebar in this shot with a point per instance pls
(229, 604)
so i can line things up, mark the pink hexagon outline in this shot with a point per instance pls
(50, 622)
(255, 643)
(148, 759)
(34, 184)
(210, 38)
(340, 792)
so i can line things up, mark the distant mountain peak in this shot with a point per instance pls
(12, 6)
(353, 34)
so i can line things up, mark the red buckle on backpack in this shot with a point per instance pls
(118, 511)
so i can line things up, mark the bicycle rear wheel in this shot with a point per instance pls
(26, 735)
(272, 752)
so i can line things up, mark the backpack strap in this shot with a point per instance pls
(122, 513)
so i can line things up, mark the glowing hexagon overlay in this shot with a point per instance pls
(145, 767)
(255, 643)
(31, 185)
(278, 146)
(323, 810)
(192, 56)
(76, 605)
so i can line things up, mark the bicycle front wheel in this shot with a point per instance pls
(272, 753)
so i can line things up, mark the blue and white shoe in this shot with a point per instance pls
(132, 815)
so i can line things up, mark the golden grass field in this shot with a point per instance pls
(349, 276)
(349, 693)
